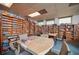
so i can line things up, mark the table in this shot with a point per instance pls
(38, 45)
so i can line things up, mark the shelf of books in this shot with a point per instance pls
(10, 27)
(38, 30)
(51, 29)
(25, 26)
(32, 27)
(19, 26)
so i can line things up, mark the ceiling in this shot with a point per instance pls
(53, 9)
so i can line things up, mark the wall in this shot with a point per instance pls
(75, 19)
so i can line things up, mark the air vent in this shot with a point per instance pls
(43, 11)
(73, 4)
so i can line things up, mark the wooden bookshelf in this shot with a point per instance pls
(45, 29)
(38, 30)
(26, 26)
(19, 26)
(12, 25)
(55, 28)
(32, 27)
(51, 29)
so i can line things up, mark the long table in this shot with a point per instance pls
(38, 45)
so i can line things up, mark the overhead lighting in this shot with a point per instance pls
(34, 14)
(7, 4)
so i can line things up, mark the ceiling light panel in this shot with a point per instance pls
(34, 14)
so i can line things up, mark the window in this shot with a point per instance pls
(50, 22)
(65, 20)
(41, 23)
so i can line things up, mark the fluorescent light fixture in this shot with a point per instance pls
(7, 4)
(34, 14)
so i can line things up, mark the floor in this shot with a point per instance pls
(74, 47)
(10, 52)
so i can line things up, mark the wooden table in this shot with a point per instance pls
(38, 45)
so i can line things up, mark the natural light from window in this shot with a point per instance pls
(65, 20)
(41, 23)
(50, 22)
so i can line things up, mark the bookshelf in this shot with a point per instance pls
(55, 28)
(36, 29)
(10, 26)
(19, 26)
(45, 29)
(50, 28)
(32, 27)
(26, 28)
